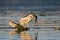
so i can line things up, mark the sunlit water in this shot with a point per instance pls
(15, 9)
(43, 34)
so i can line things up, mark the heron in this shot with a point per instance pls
(22, 22)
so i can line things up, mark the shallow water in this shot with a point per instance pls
(43, 34)
(15, 9)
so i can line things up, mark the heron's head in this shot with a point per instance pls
(35, 16)
(32, 15)
(12, 24)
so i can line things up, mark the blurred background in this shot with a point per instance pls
(48, 11)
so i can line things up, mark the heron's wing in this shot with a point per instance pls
(25, 36)
(23, 21)
(12, 24)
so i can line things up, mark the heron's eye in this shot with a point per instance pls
(31, 16)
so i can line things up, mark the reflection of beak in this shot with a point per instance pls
(25, 36)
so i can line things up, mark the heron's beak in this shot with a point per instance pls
(36, 22)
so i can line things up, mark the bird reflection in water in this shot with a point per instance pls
(13, 32)
(24, 35)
